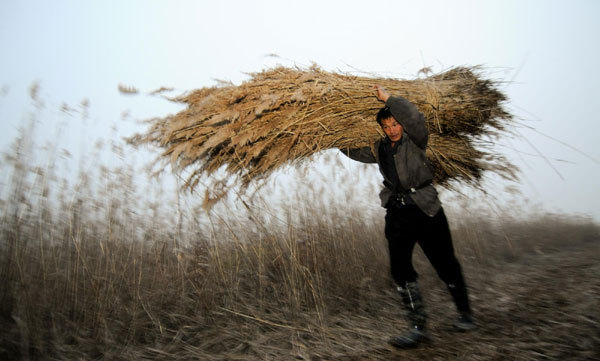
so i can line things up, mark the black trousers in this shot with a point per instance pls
(408, 225)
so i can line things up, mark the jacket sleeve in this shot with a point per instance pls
(413, 121)
(364, 155)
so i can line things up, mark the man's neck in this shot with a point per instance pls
(392, 143)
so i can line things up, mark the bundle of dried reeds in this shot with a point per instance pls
(284, 114)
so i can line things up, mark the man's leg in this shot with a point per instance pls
(437, 246)
(401, 240)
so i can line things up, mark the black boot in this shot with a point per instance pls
(415, 309)
(460, 296)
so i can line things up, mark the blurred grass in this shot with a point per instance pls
(96, 268)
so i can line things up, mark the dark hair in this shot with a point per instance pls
(384, 113)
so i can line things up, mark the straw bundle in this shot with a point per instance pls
(286, 114)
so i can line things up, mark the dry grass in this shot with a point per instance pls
(119, 288)
(99, 270)
(282, 115)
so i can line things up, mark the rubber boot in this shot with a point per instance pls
(464, 322)
(415, 310)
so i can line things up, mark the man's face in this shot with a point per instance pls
(392, 129)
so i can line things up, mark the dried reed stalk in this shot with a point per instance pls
(281, 115)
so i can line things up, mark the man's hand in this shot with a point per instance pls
(382, 94)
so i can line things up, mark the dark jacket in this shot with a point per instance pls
(410, 159)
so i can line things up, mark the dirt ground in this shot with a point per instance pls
(543, 306)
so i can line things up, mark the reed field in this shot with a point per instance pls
(98, 267)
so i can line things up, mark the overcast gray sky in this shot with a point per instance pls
(548, 49)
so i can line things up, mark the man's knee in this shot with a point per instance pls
(450, 271)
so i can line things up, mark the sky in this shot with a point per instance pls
(546, 51)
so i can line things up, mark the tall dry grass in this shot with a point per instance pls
(92, 269)
(95, 268)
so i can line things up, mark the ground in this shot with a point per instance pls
(544, 306)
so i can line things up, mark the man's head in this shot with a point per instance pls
(389, 124)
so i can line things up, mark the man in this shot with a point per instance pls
(413, 213)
